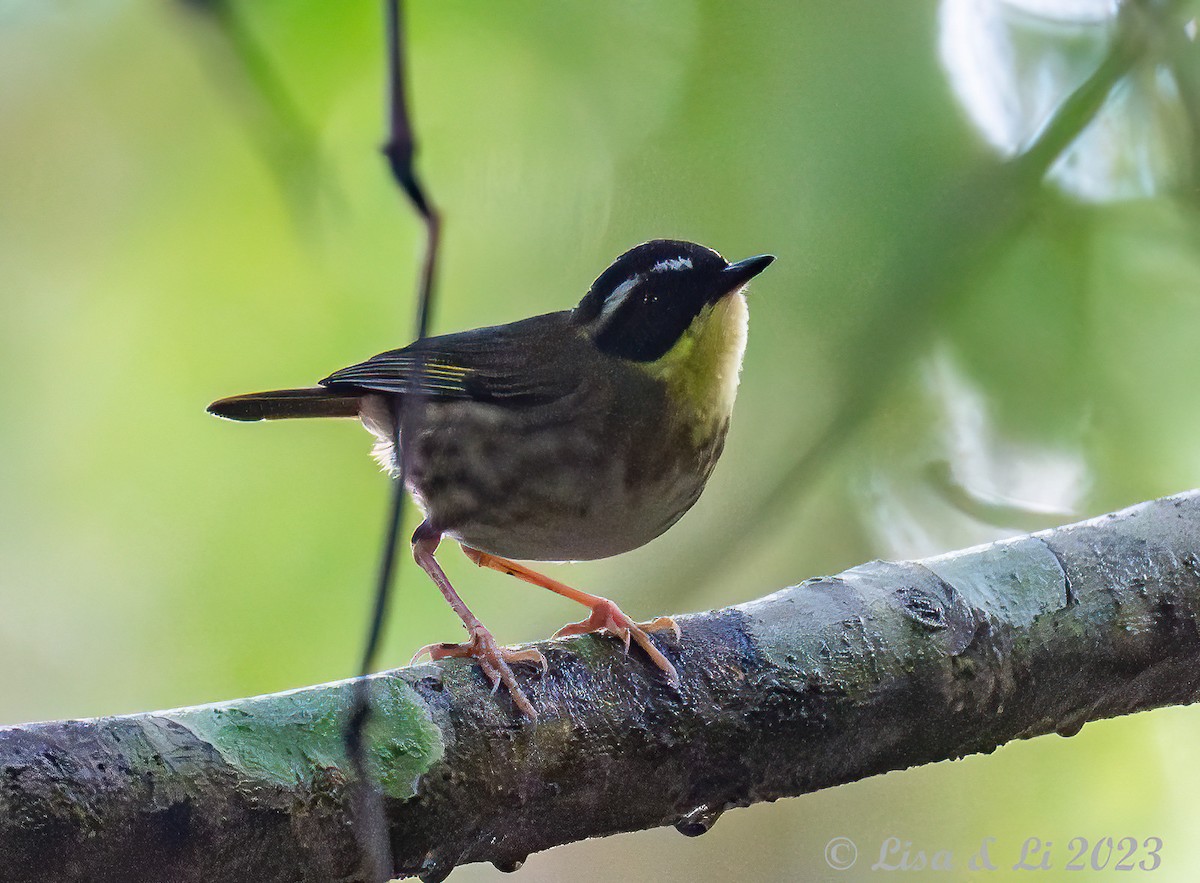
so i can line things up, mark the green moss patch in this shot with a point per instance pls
(291, 738)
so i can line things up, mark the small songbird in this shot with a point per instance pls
(573, 435)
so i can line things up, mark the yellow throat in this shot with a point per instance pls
(701, 370)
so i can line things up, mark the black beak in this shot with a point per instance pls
(736, 275)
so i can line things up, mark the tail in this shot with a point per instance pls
(287, 404)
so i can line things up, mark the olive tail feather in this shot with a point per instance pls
(287, 404)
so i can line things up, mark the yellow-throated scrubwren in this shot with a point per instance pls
(568, 436)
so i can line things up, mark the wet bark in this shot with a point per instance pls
(885, 666)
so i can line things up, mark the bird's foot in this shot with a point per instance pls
(494, 661)
(608, 616)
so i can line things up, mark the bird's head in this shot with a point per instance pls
(662, 293)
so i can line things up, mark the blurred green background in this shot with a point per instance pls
(192, 205)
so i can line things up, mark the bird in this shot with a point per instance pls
(569, 436)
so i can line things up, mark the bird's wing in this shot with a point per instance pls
(522, 361)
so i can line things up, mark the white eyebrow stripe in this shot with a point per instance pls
(679, 263)
(619, 294)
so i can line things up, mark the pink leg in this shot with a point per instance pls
(605, 614)
(493, 659)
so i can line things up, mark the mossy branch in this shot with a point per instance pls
(885, 666)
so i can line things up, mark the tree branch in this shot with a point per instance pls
(882, 667)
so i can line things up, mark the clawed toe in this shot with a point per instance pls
(530, 656)
(608, 617)
(494, 661)
(663, 624)
(440, 651)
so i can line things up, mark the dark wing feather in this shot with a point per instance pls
(525, 361)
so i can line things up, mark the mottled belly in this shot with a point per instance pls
(595, 519)
(550, 490)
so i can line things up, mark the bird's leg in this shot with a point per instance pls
(493, 659)
(605, 614)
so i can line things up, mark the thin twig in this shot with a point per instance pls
(369, 815)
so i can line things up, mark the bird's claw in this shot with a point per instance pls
(609, 617)
(494, 661)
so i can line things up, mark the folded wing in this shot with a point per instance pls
(519, 362)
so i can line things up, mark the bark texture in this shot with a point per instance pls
(884, 666)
